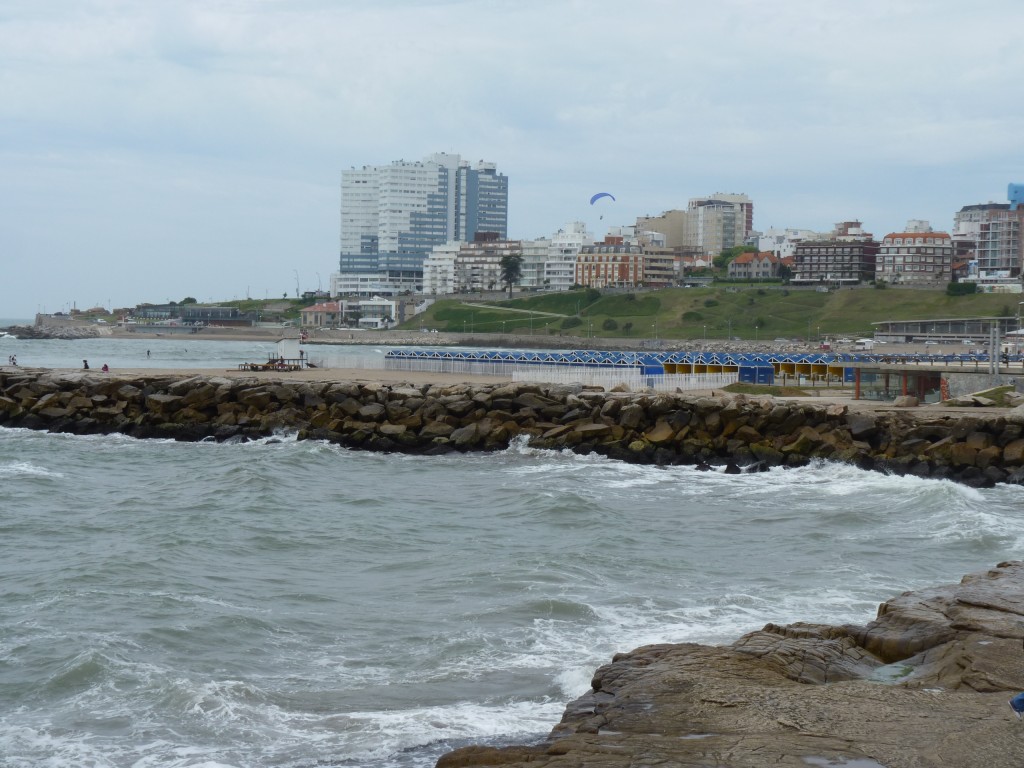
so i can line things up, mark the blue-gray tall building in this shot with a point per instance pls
(393, 215)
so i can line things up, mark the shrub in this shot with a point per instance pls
(609, 324)
(692, 316)
(571, 322)
(961, 289)
(710, 302)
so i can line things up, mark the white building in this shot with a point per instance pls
(393, 215)
(535, 256)
(364, 284)
(783, 242)
(439, 270)
(377, 312)
(566, 244)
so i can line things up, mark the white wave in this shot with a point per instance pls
(376, 735)
(17, 468)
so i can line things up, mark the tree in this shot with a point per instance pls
(511, 270)
(627, 327)
(188, 300)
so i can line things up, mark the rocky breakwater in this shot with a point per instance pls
(924, 685)
(734, 431)
(66, 332)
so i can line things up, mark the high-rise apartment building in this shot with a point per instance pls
(709, 225)
(995, 230)
(392, 216)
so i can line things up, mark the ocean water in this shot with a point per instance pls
(182, 351)
(287, 603)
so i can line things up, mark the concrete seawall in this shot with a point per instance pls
(663, 429)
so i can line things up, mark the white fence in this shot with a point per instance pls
(547, 374)
(632, 378)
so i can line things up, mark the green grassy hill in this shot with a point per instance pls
(715, 312)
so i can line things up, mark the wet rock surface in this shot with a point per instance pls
(924, 685)
(746, 434)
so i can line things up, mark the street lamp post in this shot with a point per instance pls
(705, 334)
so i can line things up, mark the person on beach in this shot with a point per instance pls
(105, 368)
(85, 365)
(147, 354)
(1017, 702)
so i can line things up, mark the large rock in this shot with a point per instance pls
(924, 685)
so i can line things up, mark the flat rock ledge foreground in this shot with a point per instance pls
(924, 685)
(740, 433)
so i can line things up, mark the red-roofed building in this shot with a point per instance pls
(329, 314)
(754, 266)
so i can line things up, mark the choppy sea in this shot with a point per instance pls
(296, 604)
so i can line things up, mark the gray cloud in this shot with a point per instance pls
(164, 149)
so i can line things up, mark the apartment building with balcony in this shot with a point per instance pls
(392, 216)
(709, 225)
(845, 257)
(478, 264)
(917, 256)
(608, 265)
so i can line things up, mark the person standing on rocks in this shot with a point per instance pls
(1017, 702)
(85, 365)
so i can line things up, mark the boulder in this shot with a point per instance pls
(924, 685)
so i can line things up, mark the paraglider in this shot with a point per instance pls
(599, 195)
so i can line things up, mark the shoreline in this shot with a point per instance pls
(926, 683)
(430, 413)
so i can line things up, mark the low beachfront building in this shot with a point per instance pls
(328, 314)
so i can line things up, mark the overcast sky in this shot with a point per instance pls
(152, 150)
